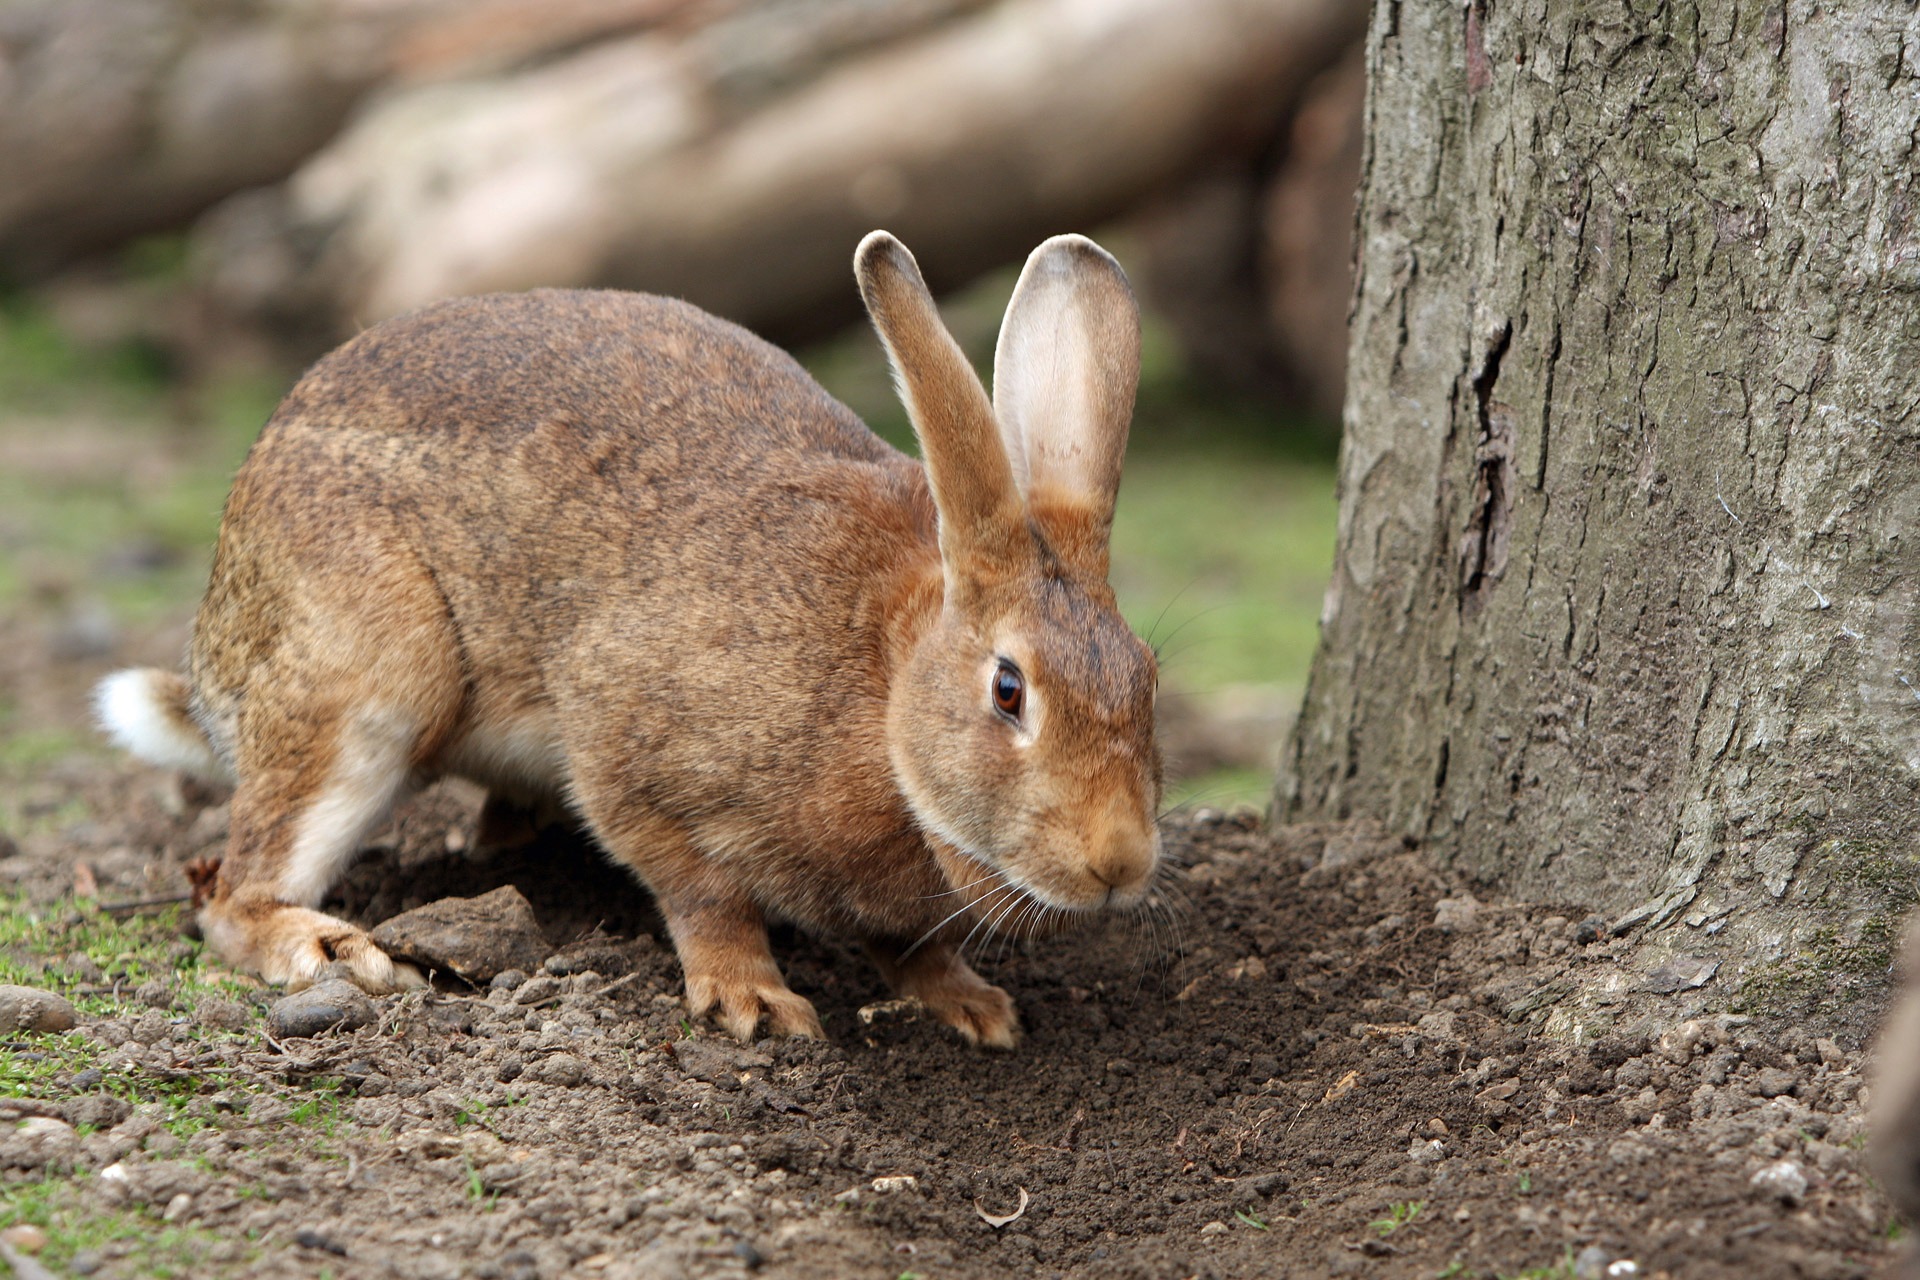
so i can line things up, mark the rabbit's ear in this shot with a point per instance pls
(1064, 376)
(983, 527)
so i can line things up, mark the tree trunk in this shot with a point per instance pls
(1624, 606)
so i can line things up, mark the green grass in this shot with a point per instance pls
(66, 523)
(42, 947)
(37, 945)
(140, 1241)
(1400, 1214)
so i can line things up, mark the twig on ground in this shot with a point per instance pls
(144, 904)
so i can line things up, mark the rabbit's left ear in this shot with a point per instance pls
(1064, 376)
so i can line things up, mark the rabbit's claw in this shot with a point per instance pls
(940, 979)
(296, 947)
(743, 1001)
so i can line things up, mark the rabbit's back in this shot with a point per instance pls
(557, 475)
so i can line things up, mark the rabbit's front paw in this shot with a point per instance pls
(745, 998)
(295, 947)
(938, 978)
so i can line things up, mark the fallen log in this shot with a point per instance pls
(622, 165)
(119, 117)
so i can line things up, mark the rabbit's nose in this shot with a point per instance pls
(1124, 861)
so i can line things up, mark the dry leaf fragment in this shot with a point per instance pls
(1342, 1087)
(996, 1220)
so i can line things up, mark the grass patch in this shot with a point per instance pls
(141, 1242)
(1401, 1213)
(87, 955)
(130, 528)
(97, 961)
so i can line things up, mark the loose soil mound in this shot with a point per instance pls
(1326, 1061)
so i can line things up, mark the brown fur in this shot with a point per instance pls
(605, 548)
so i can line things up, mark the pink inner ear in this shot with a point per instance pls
(1065, 372)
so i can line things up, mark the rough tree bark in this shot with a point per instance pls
(1624, 612)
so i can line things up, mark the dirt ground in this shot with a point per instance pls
(1330, 1063)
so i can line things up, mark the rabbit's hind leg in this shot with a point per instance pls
(298, 818)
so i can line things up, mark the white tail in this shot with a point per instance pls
(145, 711)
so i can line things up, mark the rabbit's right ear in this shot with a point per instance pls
(1064, 376)
(983, 526)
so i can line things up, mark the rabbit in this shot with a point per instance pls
(605, 548)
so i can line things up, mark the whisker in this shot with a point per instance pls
(1162, 617)
(1193, 800)
(991, 875)
(1189, 622)
(961, 910)
(999, 909)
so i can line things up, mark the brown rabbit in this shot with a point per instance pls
(606, 548)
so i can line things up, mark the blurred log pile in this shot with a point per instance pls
(339, 161)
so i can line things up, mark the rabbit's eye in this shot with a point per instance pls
(1009, 690)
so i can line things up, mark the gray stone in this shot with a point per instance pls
(31, 1009)
(1591, 1264)
(97, 1111)
(471, 938)
(333, 1003)
(534, 990)
(1784, 1181)
(39, 1142)
(155, 994)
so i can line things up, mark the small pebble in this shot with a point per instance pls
(1591, 1264)
(519, 1265)
(534, 990)
(314, 1238)
(151, 1027)
(177, 1207)
(1214, 1229)
(1427, 1151)
(563, 1069)
(1783, 1180)
(25, 1237)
